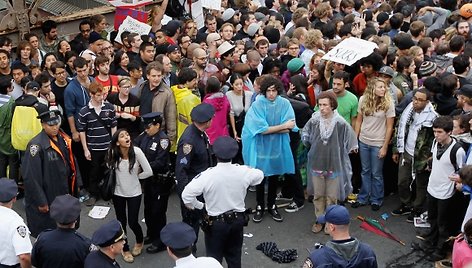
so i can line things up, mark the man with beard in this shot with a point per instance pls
(203, 68)
(49, 42)
(175, 56)
(463, 29)
(49, 170)
(80, 41)
(5, 69)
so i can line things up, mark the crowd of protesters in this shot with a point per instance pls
(399, 119)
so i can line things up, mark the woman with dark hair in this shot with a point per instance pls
(216, 98)
(317, 82)
(271, 66)
(370, 65)
(120, 63)
(25, 54)
(62, 48)
(298, 88)
(128, 161)
(49, 58)
(69, 58)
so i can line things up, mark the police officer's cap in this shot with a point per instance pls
(151, 117)
(65, 209)
(202, 113)
(225, 147)
(50, 117)
(178, 235)
(108, 234)
(8, 190)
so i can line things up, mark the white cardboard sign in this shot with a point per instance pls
(133, 26)
(350, 50)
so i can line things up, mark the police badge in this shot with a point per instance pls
(34, 148)
(21, 231)
(165, 143)
(187, 148)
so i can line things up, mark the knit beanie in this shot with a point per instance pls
(427, 68)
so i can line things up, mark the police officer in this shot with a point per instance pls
(110, 238)
(14, 235)
(63, 246)
(193, 157)
(156, 146)
(224, 189)
(179, 238)
(49, 170)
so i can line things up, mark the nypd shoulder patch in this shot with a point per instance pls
(34, 149)
(22, 231)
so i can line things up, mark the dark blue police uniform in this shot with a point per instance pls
(105, 236)
(62, 247)
(193, 157)
(157, 188)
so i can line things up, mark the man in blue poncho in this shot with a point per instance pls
(266, 141)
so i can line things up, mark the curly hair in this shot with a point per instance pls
(373, 103)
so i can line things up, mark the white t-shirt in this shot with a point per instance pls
(439, 185)
(127, 184)
(14, 237)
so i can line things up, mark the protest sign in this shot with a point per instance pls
(350, 50)
(133, 26)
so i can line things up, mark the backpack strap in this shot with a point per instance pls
(452, 155)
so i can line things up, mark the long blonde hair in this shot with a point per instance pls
(371, 103)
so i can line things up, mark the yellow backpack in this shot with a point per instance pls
(24, 126)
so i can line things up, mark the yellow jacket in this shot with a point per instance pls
(185, 100)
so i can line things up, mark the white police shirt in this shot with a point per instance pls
(14, 237)
(200, 262)
(224, 188)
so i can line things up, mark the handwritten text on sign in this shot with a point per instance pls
(350, 50)
(133, 26)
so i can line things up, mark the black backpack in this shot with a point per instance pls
(176, 10)
(456, 146)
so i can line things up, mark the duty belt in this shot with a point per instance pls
(227, 217)
(9, 266)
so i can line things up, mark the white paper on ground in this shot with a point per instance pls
(99, 212)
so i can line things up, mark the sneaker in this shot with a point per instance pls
(293, 207)
(412, 216)
(252, 188)
(280, 197)
(352, 197)
(275, 214)
(375, 207)
(91, 202)
(357, 204)
(403, 210)
(258, 216)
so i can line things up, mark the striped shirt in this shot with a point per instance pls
(98, 135)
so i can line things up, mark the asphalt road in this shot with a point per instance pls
(293, 232)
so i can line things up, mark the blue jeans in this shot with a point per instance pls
(372, 189)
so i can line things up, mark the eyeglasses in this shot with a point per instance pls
(418, 100)
(61, 73)
(85, 31)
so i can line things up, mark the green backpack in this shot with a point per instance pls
(6, 115)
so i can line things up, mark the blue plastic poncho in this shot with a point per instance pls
(270, 153)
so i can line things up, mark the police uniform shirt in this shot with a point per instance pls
(99, 259)
(200, 262)
(60, 248)
(156, 149)
(224, 188)
(14, 237)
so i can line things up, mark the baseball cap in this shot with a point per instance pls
(335, 214)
